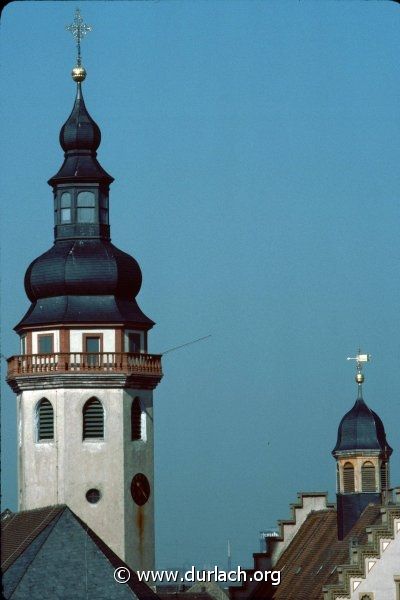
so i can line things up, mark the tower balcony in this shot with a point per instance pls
(83, 369)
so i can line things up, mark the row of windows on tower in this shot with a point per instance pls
(92, 420)
(80, 207)
(368, 477)
(92, 344)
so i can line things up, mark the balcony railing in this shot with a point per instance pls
(84, 362)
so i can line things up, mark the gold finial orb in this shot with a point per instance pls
(359, 377)
(78, 74)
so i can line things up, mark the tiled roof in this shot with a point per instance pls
(18, 530)
(311, 559)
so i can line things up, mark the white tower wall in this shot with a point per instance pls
(62, 470)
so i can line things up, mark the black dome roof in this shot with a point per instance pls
(83, 267)
(79, 138)
(361, 429)
(80, 132)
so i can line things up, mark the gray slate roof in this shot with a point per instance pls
(50, 554)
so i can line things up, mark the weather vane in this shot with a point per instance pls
(78, 29)
(360, 360)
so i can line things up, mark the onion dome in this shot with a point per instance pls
(80, 132)
(83, 281)
(80, 138)
(361, 429)
(85, 267)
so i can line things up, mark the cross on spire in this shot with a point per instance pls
(78, 29)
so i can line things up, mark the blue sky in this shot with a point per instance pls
(255, 149)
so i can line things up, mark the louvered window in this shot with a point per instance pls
(368, 483)
(384, 476)
(93, 420)
(348, 478)
(136, 420)
(45, 420)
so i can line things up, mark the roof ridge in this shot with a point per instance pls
(31, 534)
(37, 509)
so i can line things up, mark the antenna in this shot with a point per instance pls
(186, 344)
(229, 556)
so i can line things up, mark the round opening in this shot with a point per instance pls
(93, 496)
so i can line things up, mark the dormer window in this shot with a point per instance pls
(86, 207)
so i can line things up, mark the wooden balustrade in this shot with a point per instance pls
(84, 362)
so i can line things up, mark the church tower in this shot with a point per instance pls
(362, 459)
(84, 378)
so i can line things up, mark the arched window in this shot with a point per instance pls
(93, 420)
(368, 483)
(45, 420)
(348, 478)
(337, 478)
(136, 419)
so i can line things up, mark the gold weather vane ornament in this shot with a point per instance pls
(360, 360)
(78, 29)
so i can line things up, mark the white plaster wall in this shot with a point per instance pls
(63, 470)
(37, 461)
(380, 579)
(139, 458)
(86, 464)
(76, 339)
(35, 334)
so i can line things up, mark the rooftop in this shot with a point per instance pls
(50, 553)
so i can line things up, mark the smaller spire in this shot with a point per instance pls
(360, 360)
(78, 29)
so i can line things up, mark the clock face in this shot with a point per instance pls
(140, 489)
